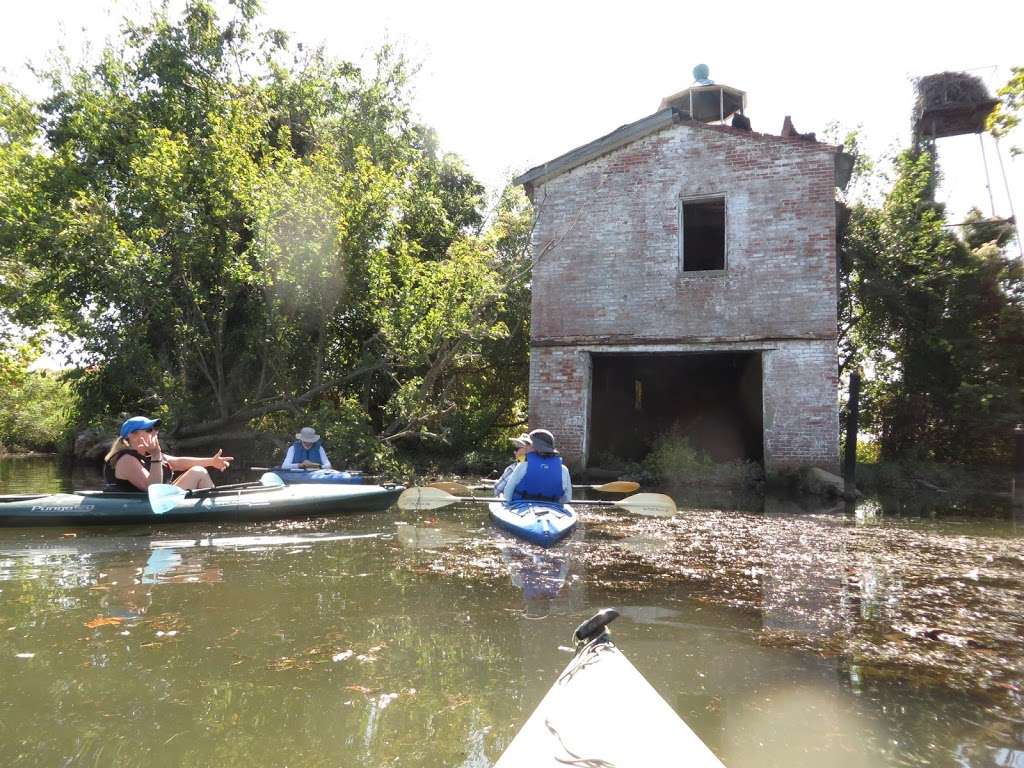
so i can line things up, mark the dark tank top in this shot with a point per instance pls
(115, 483)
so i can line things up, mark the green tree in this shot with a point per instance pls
(239, 231)
(938, 322)
(1006, 116)
(38, 404)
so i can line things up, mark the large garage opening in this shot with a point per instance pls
(713, 399)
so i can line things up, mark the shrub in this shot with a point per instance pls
(347, 435)
(37, 411)
(673, 460)
(868, 451)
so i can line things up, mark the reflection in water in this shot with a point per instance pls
(798, 599)
(428, 536)
(540, 574)
(32, 475)
(784, 639)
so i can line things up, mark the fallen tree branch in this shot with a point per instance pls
(205, 440)
(280, 404)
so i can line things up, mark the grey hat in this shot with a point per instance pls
(543, 441)
(307, 435)
(522, 440)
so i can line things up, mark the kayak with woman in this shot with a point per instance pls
(136, 461)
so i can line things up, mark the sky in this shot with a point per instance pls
(509, 86)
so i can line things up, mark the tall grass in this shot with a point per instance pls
(674, 461)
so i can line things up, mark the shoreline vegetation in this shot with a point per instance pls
(674, 466)
(312, 255)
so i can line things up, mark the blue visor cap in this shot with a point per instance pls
(135, 423)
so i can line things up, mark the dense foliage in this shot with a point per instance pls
(37, 404)
(1006, 116)
(244, 235)
(935, 320)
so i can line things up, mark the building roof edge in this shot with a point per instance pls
(627, 134)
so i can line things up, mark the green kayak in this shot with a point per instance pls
(602, 712)
(248, 503)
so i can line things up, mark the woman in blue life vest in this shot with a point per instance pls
(520, 443)
(542, 477)
(307, 452)
(136, 461)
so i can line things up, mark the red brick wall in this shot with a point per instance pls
(608, 272)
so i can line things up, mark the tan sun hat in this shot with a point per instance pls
(307, 435)
(522, 440)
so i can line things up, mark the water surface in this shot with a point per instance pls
(783, 638)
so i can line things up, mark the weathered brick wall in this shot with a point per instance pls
(801, 416)
(607, 241)
(608, 273)
(559, 397)
(799, 384)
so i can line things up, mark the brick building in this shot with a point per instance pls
(685, 278)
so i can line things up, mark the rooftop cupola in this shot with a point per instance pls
(706, 100)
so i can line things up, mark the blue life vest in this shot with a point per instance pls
(301, 453)
(543, 479)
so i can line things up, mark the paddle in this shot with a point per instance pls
(616, 486)
(163, 497)
(650, 504)
(456, 489)
(352, 472)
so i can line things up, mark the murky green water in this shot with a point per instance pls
(426, 640)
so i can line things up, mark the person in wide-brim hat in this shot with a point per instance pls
(542, 477)
(307, 452)
(543, 442)
(521, 443)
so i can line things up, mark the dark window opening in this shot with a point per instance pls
(713, 399)
(703, 230)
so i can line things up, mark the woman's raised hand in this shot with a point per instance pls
(217, 461)
(150, 444)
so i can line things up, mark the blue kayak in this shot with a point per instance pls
(318, 476)
(538, 522)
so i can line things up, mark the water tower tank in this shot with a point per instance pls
(951, 104)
